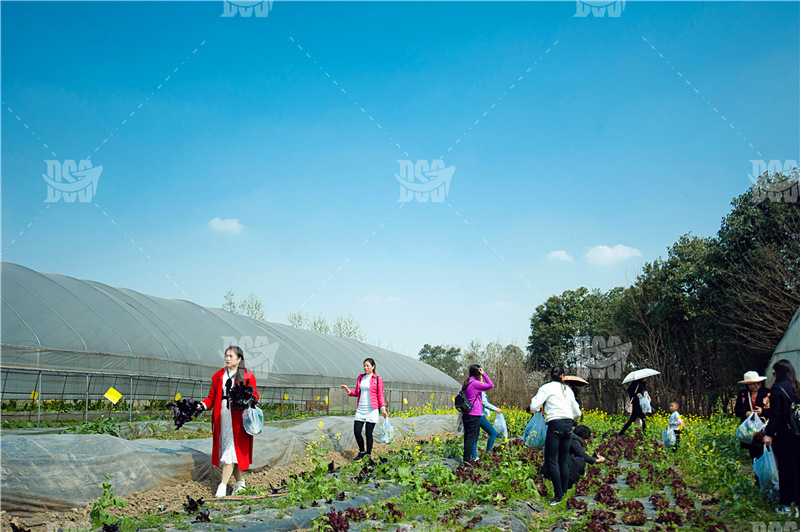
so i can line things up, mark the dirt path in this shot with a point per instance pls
(152, 501)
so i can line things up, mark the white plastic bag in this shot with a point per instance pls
(459, 428)
(500, 425)
(535, 432)
(749, 427)
(668, 436)
(253, 420)
(387, 432)
(766, 470)
(644, 402)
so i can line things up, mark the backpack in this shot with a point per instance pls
(794, 415)
(462, 403)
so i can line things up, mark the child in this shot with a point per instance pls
(675, 423)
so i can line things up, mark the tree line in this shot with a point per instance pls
(711, 309)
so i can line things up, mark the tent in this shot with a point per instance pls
(788, 348)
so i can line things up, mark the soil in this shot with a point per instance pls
(152, 501)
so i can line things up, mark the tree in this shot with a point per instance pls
(558, 323)
(443, 358)
(343, 326)
(250, 306)
(347, 327)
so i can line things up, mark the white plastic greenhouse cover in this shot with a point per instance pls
(55, 322)
(788, 348)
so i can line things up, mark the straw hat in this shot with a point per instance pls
(752, 377)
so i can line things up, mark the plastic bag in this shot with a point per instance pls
(644, 402)
(766, 470)
(387, 432)
(253, 420)
(459, 429)
(535, 432)
(629, 407)
(748, 428)
(500, 425)
(668, 436)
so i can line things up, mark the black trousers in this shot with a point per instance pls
(787, 456)
(634, 417)
(357, 426)
(472, 427)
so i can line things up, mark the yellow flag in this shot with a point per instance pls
(326, 399)
(453, 399)
(431, 396)
(34, 395)
(318, 398)
(113, 395)
(286, 396)
(405, 401)
(177, 397)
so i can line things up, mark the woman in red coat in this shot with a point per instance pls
(233, 447)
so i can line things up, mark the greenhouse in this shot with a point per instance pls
(67, 341)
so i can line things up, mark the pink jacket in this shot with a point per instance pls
(375, 391)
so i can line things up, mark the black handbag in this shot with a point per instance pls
(462, 403)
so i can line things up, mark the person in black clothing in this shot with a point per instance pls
(778, 434)
(577, 454)
(635, 390)
(754, 397)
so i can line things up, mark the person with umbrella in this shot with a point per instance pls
(636, 390)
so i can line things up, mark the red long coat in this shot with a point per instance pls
(242, 441)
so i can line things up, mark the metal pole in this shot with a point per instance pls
(86, 412)
(130, 402)
(39, 400)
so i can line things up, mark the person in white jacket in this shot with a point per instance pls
(560, 409)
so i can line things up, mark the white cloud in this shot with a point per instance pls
(231, 225)
(378, 299)
(605, 255)
(560, 255)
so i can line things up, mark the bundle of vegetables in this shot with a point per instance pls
(241, 396)
(183, 411)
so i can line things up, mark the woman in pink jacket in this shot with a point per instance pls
(369, 392)
(473, 387)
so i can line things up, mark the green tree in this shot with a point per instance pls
(443, 358)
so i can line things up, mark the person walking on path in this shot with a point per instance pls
(475, 383)
(232, 446)
(636, 390)
(778, 433)
(370, 400)
(560, 409)
(486, 425)
(754, 397)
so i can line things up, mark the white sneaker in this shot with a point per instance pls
(239, 486)
(222, 490)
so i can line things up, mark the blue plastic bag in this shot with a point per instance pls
(766, 470)
(387, 432)
(749, 427)
(535, 432)
(500, 425)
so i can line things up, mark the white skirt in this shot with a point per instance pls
(227, 450)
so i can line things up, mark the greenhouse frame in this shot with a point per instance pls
(67, 341)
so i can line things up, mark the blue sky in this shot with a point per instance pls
(567, 133)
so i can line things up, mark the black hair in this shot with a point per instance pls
(784, 371)
(583, 432)
(556, 372)
(474, 371)
(676, 403)
(239, 353)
